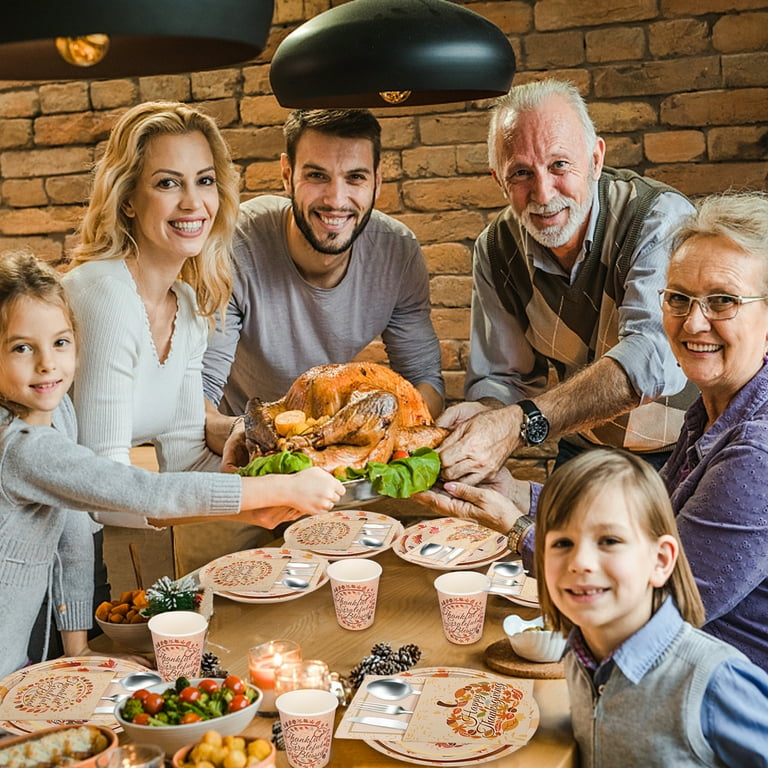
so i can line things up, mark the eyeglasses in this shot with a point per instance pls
(719, 306)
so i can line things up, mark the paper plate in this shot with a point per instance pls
(445, 754)
(60, 684)
(250, 576)
(482, 545)
(332, 534)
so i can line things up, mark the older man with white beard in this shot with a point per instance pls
(566, 336)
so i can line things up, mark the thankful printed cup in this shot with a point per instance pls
(462, 596)
(306, 717)
(178, 638)
(355, 586)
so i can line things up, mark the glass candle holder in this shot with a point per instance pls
(263, 662)
(298, 675)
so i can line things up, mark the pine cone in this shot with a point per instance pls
(383, 661)
(209, 667)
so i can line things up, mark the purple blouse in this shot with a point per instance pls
(718, 482)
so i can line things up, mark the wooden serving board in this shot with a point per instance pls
(500, 657)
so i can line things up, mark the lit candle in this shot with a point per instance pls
(300, 675)
(263, 661)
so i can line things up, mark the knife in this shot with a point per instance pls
(380, 722)
(454, 555)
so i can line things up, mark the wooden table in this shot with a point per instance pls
(407, 612)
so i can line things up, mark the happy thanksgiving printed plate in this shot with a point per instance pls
(471, 687)
(59, 691)
(255, 575)
(479, 545)
(338, 534)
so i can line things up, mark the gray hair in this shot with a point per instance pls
(532, 96)
(741, 217)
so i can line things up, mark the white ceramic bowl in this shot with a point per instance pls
(171, 738)
(535, 644)
(134, 637)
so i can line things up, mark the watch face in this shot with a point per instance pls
(537, 429)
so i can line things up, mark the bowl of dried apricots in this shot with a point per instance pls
(122, 621)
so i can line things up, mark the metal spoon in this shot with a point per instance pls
(293, 582)
(430, 548)
(369, 541)
(391, 688)
(133, 681)
(508, 569)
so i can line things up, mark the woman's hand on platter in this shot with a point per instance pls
(490, 504)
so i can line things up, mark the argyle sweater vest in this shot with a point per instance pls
(571, 326)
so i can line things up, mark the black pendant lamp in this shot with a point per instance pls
(378, 53)
(75, 39)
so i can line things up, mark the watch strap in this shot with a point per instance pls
(517, 534)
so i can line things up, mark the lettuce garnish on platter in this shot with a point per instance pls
(400, 478)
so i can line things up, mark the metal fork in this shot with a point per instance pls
(385, 709)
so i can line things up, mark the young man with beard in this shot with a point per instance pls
(318, 276)
(566, 336)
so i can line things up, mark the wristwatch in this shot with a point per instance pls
(535, 427)
(519, 529)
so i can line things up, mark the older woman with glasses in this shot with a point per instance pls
(715, 314)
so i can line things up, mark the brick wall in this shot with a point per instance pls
(678, 88)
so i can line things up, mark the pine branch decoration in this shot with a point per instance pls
(169, 595)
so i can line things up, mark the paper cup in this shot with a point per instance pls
(178, 638)
(306, 717)
(462, 596)
(355, 585)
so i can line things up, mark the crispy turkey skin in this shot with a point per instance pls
(368, 411)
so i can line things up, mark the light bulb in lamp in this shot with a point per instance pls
(395, 97)
(83, 51)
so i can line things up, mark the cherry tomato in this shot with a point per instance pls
(208, 686)
(238, 702)
(141, 719)
(400, 455)
(190, 717)
(189, 694)
(234, 683)
(153, 703)
(141, 694)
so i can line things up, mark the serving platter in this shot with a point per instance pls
(357, 493)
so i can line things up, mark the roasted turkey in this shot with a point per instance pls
(355, 413)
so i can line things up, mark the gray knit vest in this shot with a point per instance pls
(656, 723)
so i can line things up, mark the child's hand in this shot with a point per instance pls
(313, 490)
(307, 492)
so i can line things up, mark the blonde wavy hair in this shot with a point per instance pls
(106, 231)
(583, 478)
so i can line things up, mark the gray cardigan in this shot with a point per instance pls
(47, 483)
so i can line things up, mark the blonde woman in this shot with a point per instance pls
(152, 268)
